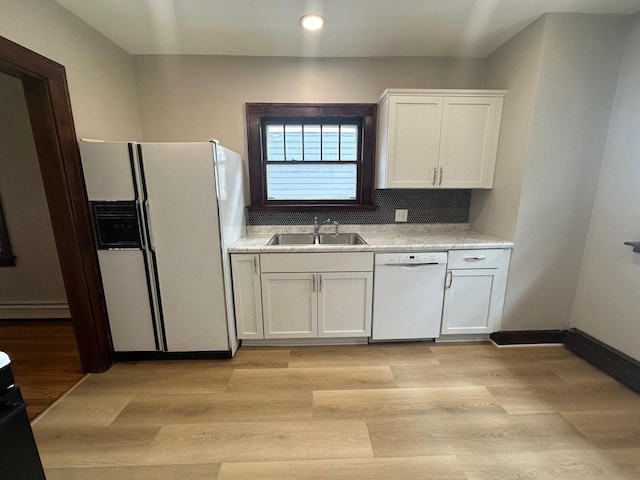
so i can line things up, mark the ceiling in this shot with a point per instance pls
(354, 28)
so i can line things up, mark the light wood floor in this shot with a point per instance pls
(44, 359)
(386, 411)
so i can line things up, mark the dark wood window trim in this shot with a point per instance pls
(258, 113)
(6, 255)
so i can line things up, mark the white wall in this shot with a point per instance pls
(104, 103)
(194, 98)
(607, 303)
(577, 74)
(514, 67)
(99, 73)
(36, 281)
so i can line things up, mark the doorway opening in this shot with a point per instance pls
(47, 98)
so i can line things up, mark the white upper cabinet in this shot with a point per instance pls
(438, 138)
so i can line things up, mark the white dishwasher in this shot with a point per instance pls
(408, 294)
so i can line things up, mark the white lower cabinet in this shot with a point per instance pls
(329, 295)
(247, 295)
(303, 295)
(474, 291)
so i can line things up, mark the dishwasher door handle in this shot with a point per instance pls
(408, 264)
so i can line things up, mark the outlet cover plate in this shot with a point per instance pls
(401, 215)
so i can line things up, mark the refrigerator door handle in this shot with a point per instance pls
(147, 208)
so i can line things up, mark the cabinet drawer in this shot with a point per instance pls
(316, 262)
(489, 258)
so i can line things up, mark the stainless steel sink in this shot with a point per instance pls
(323, 239)
(341, 239)
(291, 239)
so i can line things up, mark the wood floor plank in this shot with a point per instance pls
(554, 398)
(487, 353)
(578, 371)
(80, 409)
(384, 354)
(557, 465)
(472, 374)
(416, 468)
(617, 429)
(382, 403)
(206, 376)
(260, 441)
(93, 446)
(216, 407)
(309, 379)
(257, 357)
(150, 472)
(472, 434)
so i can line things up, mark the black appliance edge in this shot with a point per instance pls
(135, 356)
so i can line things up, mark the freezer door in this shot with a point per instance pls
(127, 294)
(182, 212)
(108, 170)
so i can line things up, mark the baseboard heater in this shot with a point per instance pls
(620, 366)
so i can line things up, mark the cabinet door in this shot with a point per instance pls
(414, 141)
(344, 304)
(469, 142)
(289, 305)
(247, 297)
(471, 301)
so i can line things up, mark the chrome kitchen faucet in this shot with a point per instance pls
(316, 228)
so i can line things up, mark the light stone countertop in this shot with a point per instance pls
(379, 238)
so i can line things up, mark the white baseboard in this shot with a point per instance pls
(26, 310)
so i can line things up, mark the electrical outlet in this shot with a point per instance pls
(401, 215)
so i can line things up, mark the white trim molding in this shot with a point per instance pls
(26, 310)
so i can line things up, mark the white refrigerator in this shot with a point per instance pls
(172, 293)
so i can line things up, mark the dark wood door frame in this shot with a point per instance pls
(47, 95)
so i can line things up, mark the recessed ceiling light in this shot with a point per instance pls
(312, 21)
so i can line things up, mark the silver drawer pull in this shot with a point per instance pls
(475, 259)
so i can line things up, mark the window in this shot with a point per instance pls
(311, 155)
(6, 256)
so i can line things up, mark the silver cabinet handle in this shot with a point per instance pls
(255, 264)
(441, 170)
(449, 280)
(435, 174)
(475, 259)
(313, 288)
(320, 282)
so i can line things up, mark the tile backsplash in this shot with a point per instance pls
(424, 206)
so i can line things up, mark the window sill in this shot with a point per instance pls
(312, 208)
